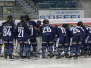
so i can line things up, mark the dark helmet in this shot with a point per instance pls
(56, 25)
(22, 17)
(27, 17)
(45, 21)
(9, 17)
(80, 23)
(65, 25)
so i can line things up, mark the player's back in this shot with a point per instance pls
(81, 30)
(8, 30)
(22, 31)
(46, 29)
(87, 29)
(30, 26)
(34, 23)
(60, 31)
(71, 31)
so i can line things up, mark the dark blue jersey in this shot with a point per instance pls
(87, 29)
(8, 31)
(22, 32)
(35, 24)
(81, 30)
(46, 30)
(71, 31)
(31, 24)
(34, 33)
(0, 32)
(60, 31)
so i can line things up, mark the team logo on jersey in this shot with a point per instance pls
(27, 24)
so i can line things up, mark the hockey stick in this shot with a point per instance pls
(16, 51)
(16, 48)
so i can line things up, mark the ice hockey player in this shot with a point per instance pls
(85, 46)
(81, 42)
(1, 42)
(62, 41)
(46, 32)
(34, 43)
(55, 48)
(31, 24)
(22, 33)
(8, 33)
(74, 36)
(87, 40)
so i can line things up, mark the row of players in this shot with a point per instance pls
(77, 38)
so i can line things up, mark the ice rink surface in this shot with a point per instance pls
(46, 63)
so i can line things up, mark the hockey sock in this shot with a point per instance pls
(66, 49)
(78, 49)
(27, 49)
(90, 48)
(21, 49)
(43, 49)
(11, 49)
(82, 48)
(72, 49)
(59, 51)
(0, 48)
(50, 49)
(34, 47)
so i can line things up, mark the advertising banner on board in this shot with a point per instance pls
(60, 14)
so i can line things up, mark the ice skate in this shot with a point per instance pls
(66, 55)
(76, 56)
(86, 54)
(21, 57)
(58, 57)
(89, 54)
(28, 57)
(70, 57)
(82, 54)
(43, 56)
(5, 56)
(51, 55)
(11, 57)
(35, 55)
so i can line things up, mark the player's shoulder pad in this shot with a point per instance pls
(27, 23)
(3, 22)
(19, 23)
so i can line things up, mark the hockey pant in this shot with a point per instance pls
(75, 44)
(34, 44)
(82, 47)
(27, 47)
(90, 47)
(87, 44)
(65, 44)
(0, 48)
(47, 43)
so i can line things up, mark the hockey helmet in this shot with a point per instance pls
(22, 17)
(65, 25)
(80, 23)
(9, 17)
(45, 21)
(27, 17)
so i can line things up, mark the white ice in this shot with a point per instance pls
(47, 63)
